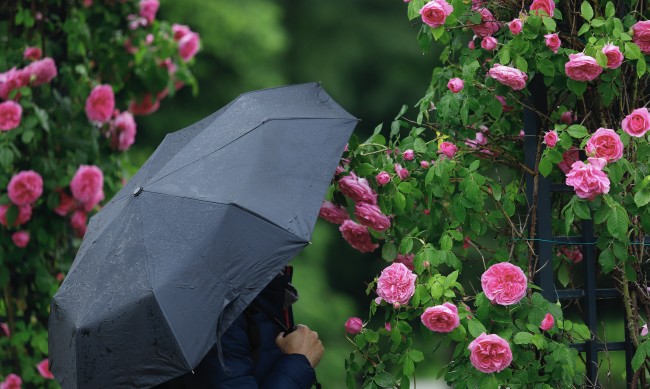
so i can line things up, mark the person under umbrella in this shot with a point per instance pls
(262, 348)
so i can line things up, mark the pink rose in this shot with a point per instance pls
(548, 6)
(78, 222)
(614, 56)
(489, 43)
(122, 131)
(515, 26)
(39, 72)
(12, 381)
(4, 329)
(588, 180)
(32, 53)
(189, 45)
(553, 42)
(87, 186)
(11, 114)
(406, 260)
(179, 31)
(488, 26)
(471, 46)
(357, 189)
(644, 329)
(396, 284)
(402, 173)
(637, 123)
(547, 323)
(582, 67)
(370, 215)
(357, 236)
(456, 85)
(25, 187)
(441, 318)
(44, 369)
(512, 77)
(448, 149)
(605, 143)
(20, 238)
(148, 9)
(24, 214)
(435, 12)
(382, 178)
(147, 106)
(502, 100)
(87, 3)
(575, 254)
(568, 117)
(424, 164)
(641, 35)
(568, 158)
(66, 203)
(388, 327)
(504, 283)
(353, 325)
(333, 213)
(490, 353)
(480, 140)
(550, 139)
(10, 80)
(408, 155)
(100, 104)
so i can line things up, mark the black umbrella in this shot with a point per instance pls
(214, 214)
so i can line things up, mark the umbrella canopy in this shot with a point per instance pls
(214, 214)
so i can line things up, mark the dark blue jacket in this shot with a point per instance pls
(251, 357)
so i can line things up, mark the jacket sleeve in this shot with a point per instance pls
(290, 371)
(238, 369)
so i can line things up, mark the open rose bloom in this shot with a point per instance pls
(504, 283)
(441, 318)
(490, 353)
(396, 284)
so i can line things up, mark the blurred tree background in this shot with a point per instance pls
(365, 54)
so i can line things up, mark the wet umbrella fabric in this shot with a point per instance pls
(213, 215)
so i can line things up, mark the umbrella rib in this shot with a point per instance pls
(302, 240)
(246, 133)
(160, 306)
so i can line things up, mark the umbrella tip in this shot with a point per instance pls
(309, 242)
(138, 190)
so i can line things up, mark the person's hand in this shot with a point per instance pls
(302, 341)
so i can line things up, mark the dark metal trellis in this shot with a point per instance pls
(544, 241)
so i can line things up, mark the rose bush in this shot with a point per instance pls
(463, 205)
(71, 78)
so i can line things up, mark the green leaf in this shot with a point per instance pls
(420, 145)
(641, 67)
(585, 27)
(384, 379)
(602, 213)
(581, 209)
(405, 187)
(416, 355)
(389, 251)
(521, 64)
(617, 222)
(606, 260)
(563, 275)
(577, 131)
(414, 8)
(586, 11)
(546, 67)
(545, 167)
(438, 32)
(639, 358)
(406, 246)
(642, 198)
(632, 51)
(577, 87)
(523, 338)
(549, 23)
(610, 10)
(475, 327)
